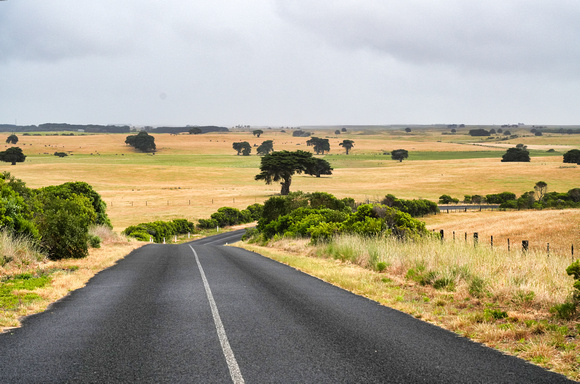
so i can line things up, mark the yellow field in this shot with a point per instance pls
(558, 228)
(192, 175)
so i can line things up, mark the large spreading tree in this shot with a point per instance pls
(319, 145)
(399, 154)
(243, 147)
(141, 141)
(347, 145)
(517, 154)
(266, 147)
(282, 165)
(257, 132)
(572, 156)
(12, 155)
(12, 139)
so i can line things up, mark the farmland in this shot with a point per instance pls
(192, 175)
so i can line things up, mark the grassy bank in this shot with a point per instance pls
(494, 297)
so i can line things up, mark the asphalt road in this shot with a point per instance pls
(204, 313)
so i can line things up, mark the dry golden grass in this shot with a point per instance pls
(559, 228)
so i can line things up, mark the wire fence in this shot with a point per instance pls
(524, 245)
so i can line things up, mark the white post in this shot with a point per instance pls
(188, 235)
(175, 241)
(218, 228)
(164, 240)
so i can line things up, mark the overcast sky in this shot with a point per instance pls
(289, 62)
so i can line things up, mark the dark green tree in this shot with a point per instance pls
(399, 154)
(282, 165)
(266, 147)
(257, 132)
(318, 167)
(347, 145)
(195, 131)
(572, 156)
(141, 141)
(12, 139)
(408, 130)
(319, 145)
(12, 155)
(516, 155)
(243, 147)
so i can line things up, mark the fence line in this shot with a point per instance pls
(525, 243)
(174, 203)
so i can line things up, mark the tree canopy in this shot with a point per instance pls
(195, 131)
(12, 155)
(141, 141)
(399, 154)
(319, 145)
(242, 147)
(257, 132)
(266, 147)
(282, 165)
(347, 145)
(319, 167)
(12, 139)
(520, 154)
(572, 156)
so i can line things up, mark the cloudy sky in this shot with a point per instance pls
(289, 62)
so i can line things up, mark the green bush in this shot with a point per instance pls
(64, 226)
(94, 241)
(207, 223)
(159, 230)
(446, 199)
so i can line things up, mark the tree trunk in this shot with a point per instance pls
(285, 187)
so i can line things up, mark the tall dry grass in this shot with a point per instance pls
(18, 253)
(531, 278)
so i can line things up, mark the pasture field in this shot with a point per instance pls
(192, 175)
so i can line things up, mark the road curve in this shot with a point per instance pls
(204, 313)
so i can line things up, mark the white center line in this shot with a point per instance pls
(235, 372)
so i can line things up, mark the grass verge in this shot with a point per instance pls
(510, 314)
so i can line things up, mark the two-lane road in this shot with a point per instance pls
(201, 312)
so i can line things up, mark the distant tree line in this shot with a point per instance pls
(538, 198)
(176, 130)
(56, 127)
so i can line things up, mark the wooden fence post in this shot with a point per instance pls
(475, 238)
(525, 245)
(508, 245)
(442, 235)
(492, 242)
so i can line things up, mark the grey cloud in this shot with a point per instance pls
(490, 35)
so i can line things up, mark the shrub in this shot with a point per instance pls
(207, 223)
(446, 199)
(64, 227)
(94, 241)
(500, 198)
